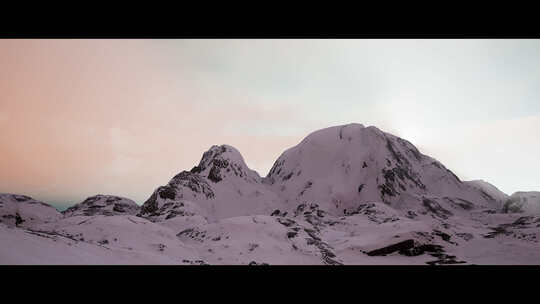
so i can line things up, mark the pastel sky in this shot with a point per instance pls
(82, 117)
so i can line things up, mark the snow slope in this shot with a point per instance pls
(118, 239)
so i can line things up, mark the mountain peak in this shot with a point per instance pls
(343, 165)
(221, 161)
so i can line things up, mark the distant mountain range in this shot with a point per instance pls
(344, 195)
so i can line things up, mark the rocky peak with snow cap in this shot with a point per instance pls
(103, 205)
(221, 161)
(221, 185)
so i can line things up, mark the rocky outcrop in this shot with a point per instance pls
(103, 205)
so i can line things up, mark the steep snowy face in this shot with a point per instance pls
(489, 191)
(103, 205)
(220, 186)
(24, 211)
(523, 202)
(343, 166)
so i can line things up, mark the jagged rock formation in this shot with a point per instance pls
(103, 205)
(221, 186)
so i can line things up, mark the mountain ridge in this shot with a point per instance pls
(346, 194)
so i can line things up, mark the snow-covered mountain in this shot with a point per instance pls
(344, 166)
(523, 202)
(221, 186)
(24, 211)
(344, 195)
(104, 205)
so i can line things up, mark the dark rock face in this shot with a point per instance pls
(276, 168)
(514, 229)
(168, 210)
(195, 169)
(410, 148)
(292, 234)
(286, 222)
(18, 219)
(421, 249)
(387, 190)
(409, 248)
(167, 192)
(215, 160)
(401, 246)
(151, 205)
(327, 256)
(213, 175)
(401, 173)
(398, 175)
(174, 191)
(370, 210)
(193, 233)
(215, 172)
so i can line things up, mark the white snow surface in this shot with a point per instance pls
(344, 195)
